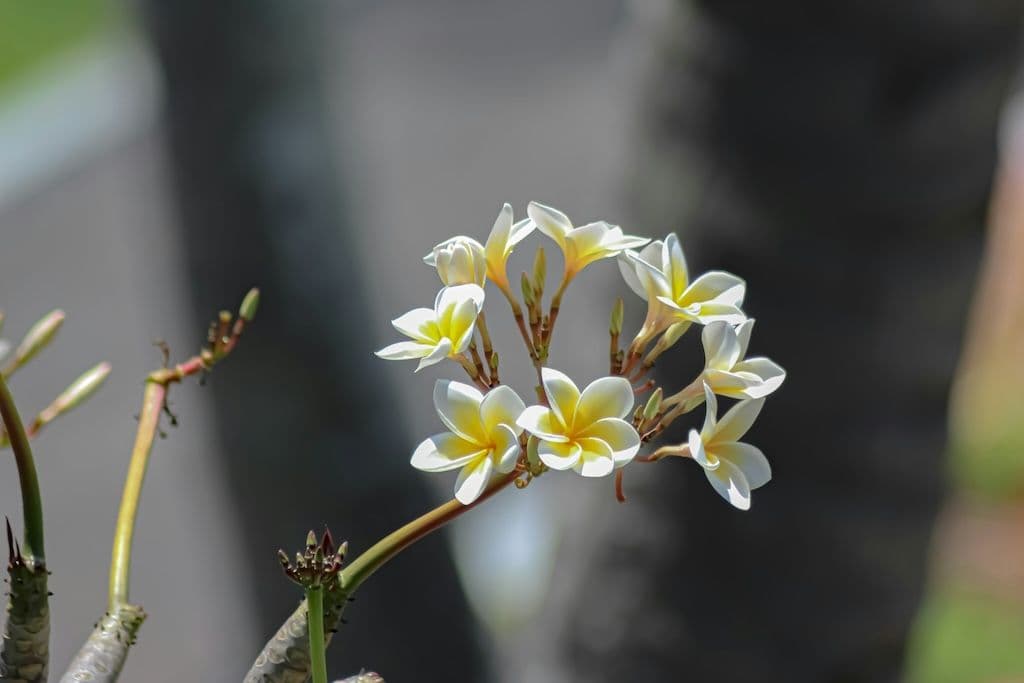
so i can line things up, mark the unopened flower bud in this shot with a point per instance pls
(618, 311)
(81, 389)
(494, 361)
(247, 311)
(653, 406)
(527, 288)
(540, 269)
(37, 339)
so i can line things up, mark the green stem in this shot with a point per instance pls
(121, 556)
(317, 647)
(31, 500)
(383, 550)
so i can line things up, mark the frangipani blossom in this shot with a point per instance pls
(459, 261)
(726, 370)
(732, 467)
(442, 332)
(501, 242)
(658, 274)
(583, 431)
(585, 244)
(483, 437)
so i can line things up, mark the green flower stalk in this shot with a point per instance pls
(103, 655)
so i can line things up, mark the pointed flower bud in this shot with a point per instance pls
(618, 311)
(79, 390)
(527, 288)
(38, 337)
(251, 302)
(540, 268)
(653, 406)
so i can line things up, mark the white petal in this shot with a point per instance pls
(473, 480)
(652, 279)
(502, 406)
(458, 406)
(440, 352)
(743, 331)
(587, 238)
(420, 324)
(699, 453)
(461, 325)
(542, 423)
(443, 452)
(497, 242)
(772, 375)
(520, 231)
(623, 242)
(551, 222)
(604, 397)
(628, 271)
(674, 265)
(721, 347)
(749, 459)
(595, 458)
(449, 297)
(731, 384)
(405, 350)
(735, 423)
(506, 448)
(718, 286)
(730, 484)
(620, 436)
(712, 312)
(710, 414)
(562, 394)
(559, 456)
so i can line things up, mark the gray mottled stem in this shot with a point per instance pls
(363, 677)
(285, 658)
(26, 639)
(102, 656)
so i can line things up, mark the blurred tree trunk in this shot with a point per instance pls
(307, 427)
(839, 156)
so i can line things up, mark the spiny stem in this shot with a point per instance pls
(317, 647)
(383, 550)
(31, 500)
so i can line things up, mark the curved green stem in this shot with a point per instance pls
(383, 550)
(31, 500)
(121, 555)
(317, 647)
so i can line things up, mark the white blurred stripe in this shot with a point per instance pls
(68, 112)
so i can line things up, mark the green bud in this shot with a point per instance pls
(618, 311)
(494, 361)
(540, 269)
(81, 389)
(311, 541)
(37, 339)
(1, 320)
(527, 288)
(653, 406)
(247, 311)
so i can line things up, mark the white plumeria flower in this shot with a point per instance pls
(583, 431)
(585, 244)
(733, 468)
(442, 332)
(727, 371)
(658, 274)
(483, 437)
(504, 237)
(459, 260)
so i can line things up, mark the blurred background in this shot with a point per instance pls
(157, 159)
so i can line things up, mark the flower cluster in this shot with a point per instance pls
(493, 437)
